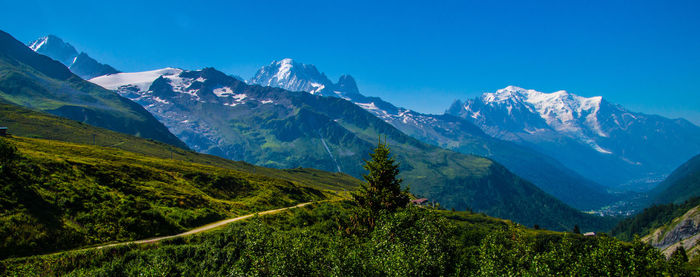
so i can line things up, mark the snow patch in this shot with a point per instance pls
(476, 114)
(367, 106)
(141, 80)
(239, 97)
(223, 92)
(159, 100)
(316, 88)
(39, 43)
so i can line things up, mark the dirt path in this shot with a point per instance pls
(200, 229)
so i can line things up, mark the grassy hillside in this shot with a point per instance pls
(28, 123)
(58, 195)
(682, 184)
(38, 82)
(321, 240)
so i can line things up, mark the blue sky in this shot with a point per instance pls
(644, 55)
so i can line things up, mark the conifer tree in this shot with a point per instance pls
(382, 187)
(679, 256)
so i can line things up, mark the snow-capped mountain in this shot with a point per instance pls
(446, 131)
(533, 112)
(171, 93)
(79, 63)
(218, 114)
(292, 76)
(295, 76)
(598, 139)
(43, 84)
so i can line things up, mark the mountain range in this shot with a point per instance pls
(603, 141)
(218, 114)
(446, 131)
(78, 62)
(294, 126)
(38, 82)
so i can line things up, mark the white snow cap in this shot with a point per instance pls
(562, 111)
(142, 80)
(38, 43)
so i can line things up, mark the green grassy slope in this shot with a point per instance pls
(682, 184)
(58, 195)
(28, 123)
(36, 81)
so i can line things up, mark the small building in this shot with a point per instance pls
(3, 131)
(419, 201)
(589, 234)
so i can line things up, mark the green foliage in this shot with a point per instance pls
(679, 256)
(511, 253)
(310, 241)
(651, 218)
(8, 152)
(56, 195)
(382, 187)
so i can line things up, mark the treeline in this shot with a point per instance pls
(410, 242)
(651, 218)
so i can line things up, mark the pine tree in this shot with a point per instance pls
(679, 255)
(382, 187)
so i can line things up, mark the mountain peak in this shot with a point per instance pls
(455, 108)
(55, 48)
(518, 94)
(78, 62)
(527, 111)
(291, 75)
(284, 61)
(42, 41)
(347, 85)
(511, 88)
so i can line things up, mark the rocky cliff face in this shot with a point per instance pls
(683, 231)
